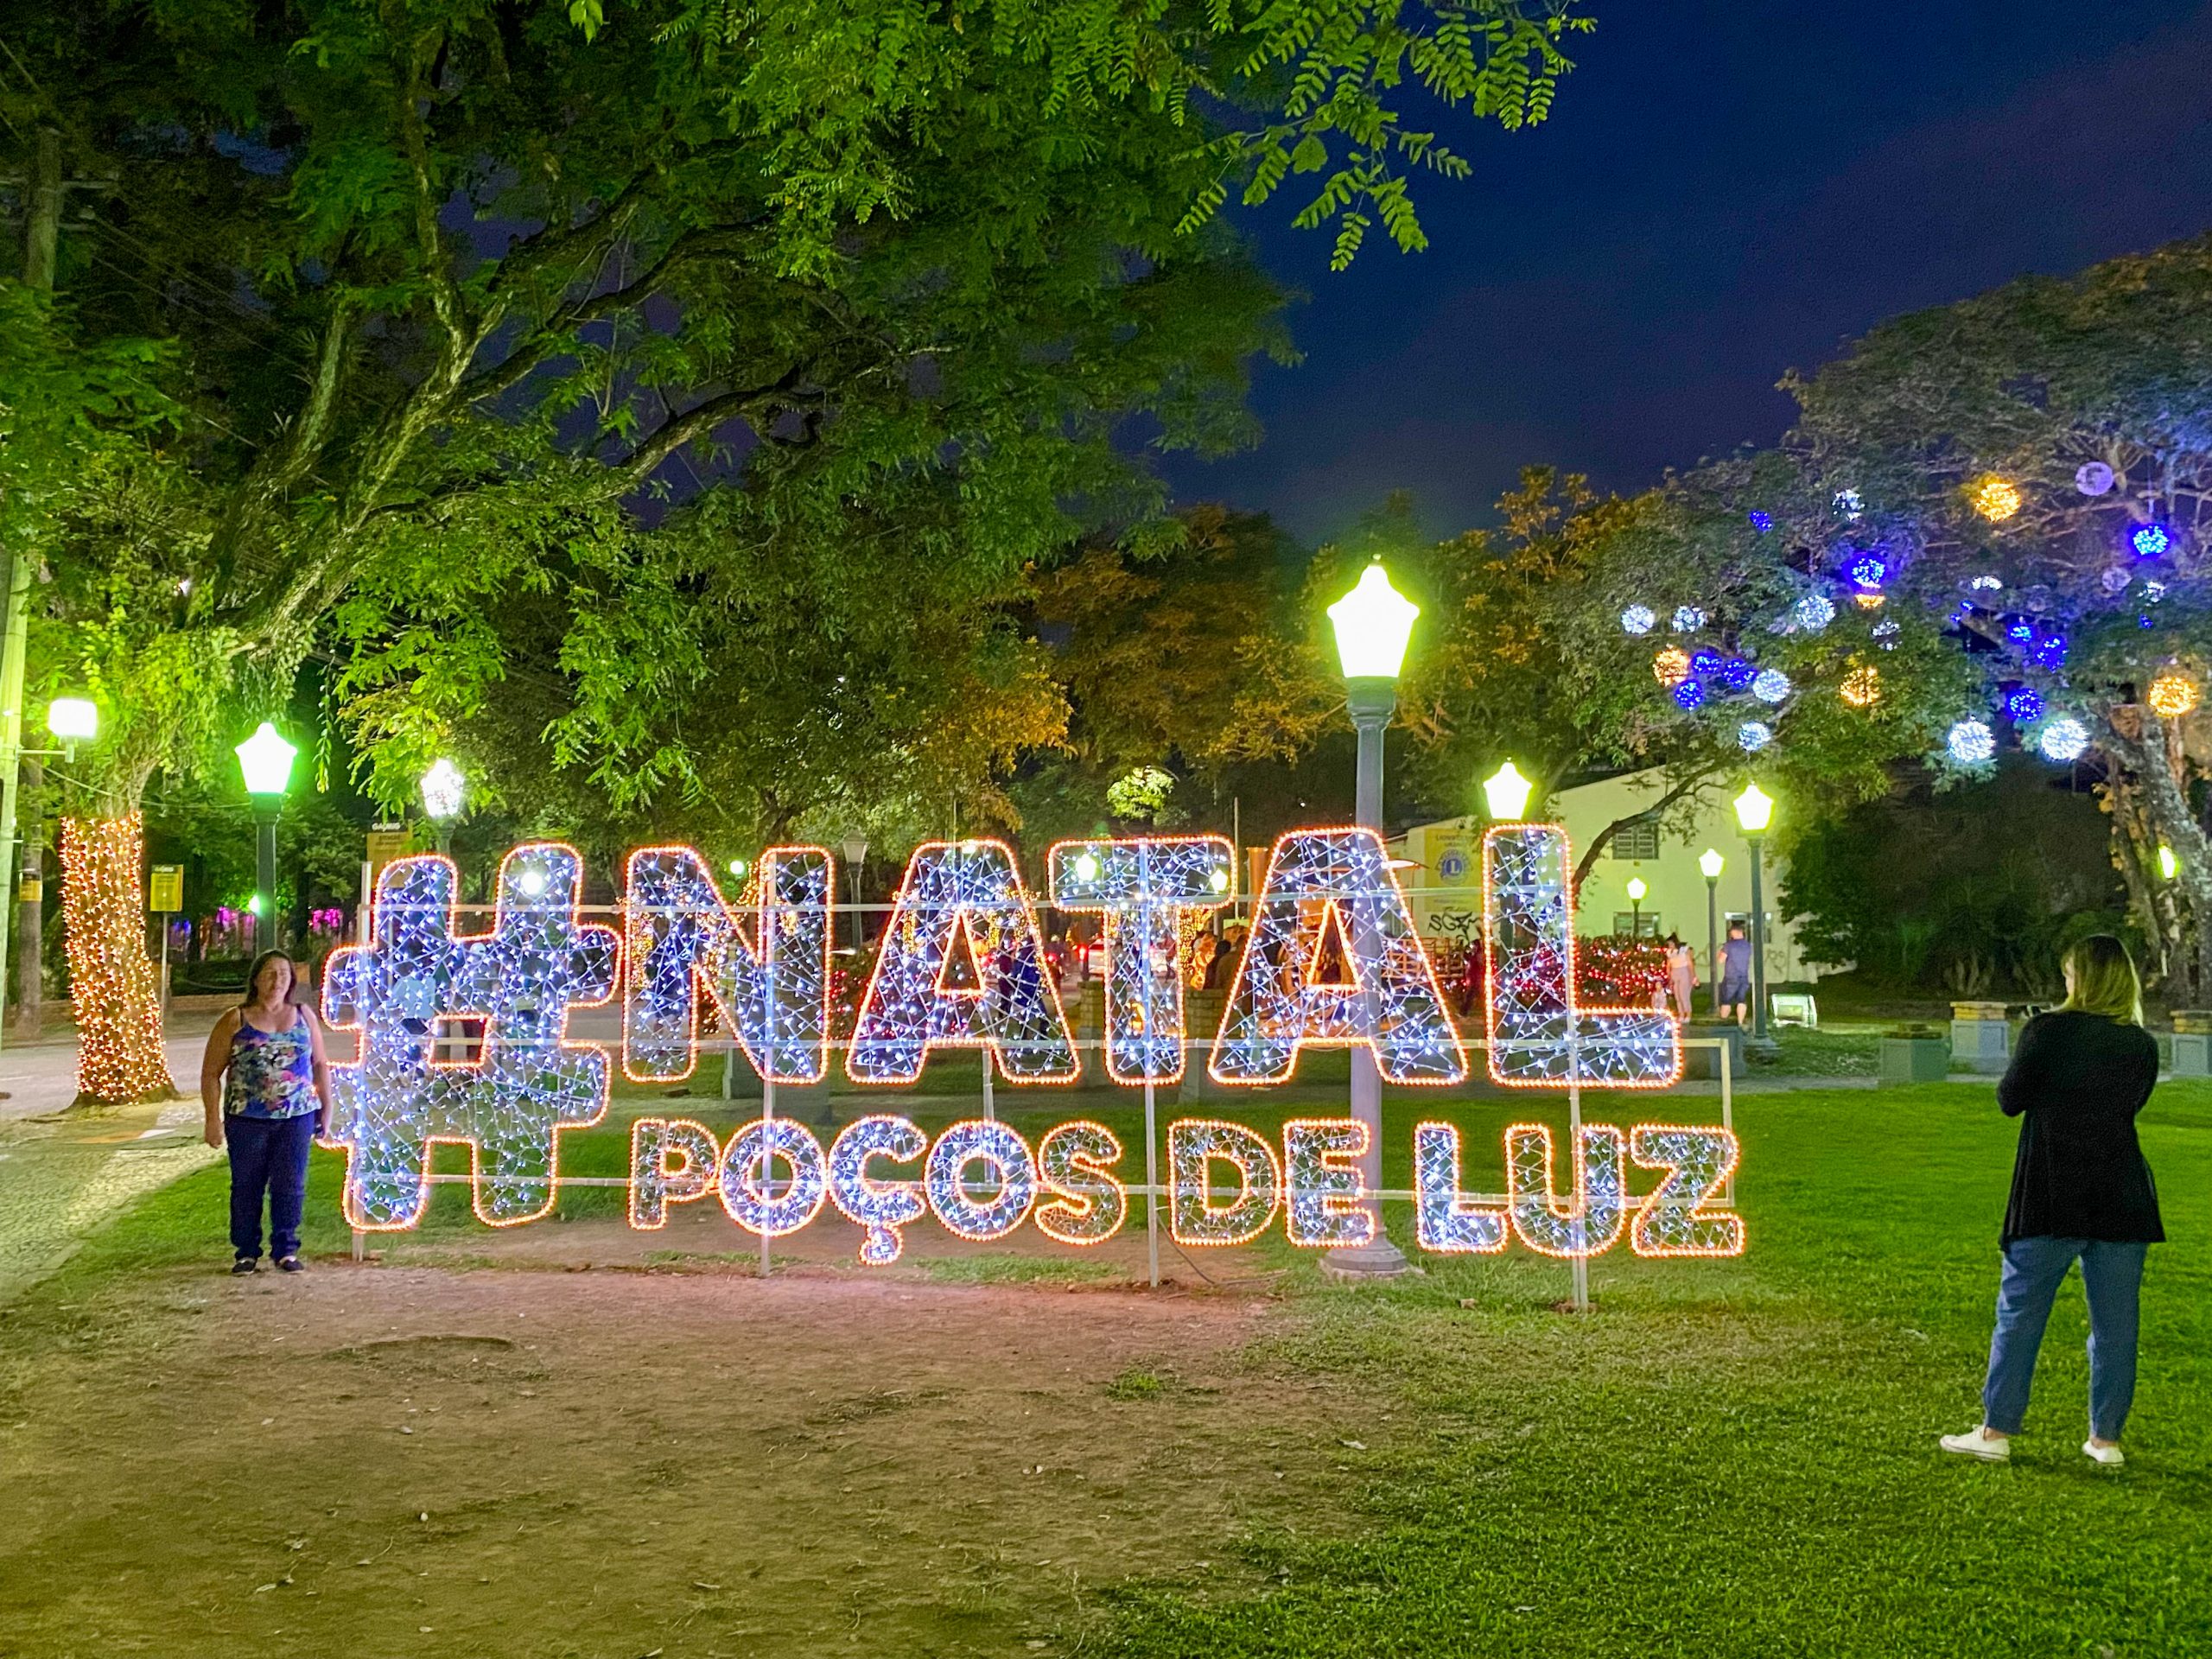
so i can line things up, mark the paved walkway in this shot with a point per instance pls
(61, 1175)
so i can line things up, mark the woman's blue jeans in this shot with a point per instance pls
(2034, 1269)
(268, 1154)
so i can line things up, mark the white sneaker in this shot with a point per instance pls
(1974, 1444)
(2110, 1456)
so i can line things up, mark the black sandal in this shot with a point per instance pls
(291, 1264)
(246, 1264)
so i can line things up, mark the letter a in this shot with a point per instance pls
(968, 888)
(1330, 891)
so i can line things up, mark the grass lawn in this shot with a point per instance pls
(1724, 1459)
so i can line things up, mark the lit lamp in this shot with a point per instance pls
(1507, 793)
(1636, 889)
(265, 759)
(1754, 812)
(444, 791)
(74, 721)
(2169, 866)
(854, 848)
(1710, 862)
(1373, 623)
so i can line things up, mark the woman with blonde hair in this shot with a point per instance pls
(2081, 1191)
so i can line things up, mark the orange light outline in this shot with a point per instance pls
(1731, 1221)
(930, 1043)
(950, 1176)
(1459, 1208)
(915, 1189)
(1574, 1009)
(1212, 901)
(431, 1142)
(701, 1174)
(1177, 1193)
(1066, 1196)
(1578, 1203)
(1337, 1203)
(762, 1125)
(762, 956)
(1299, 1044)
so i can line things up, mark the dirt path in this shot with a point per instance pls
(394, 1461)
(60, 1178)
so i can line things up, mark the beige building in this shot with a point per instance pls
(1443, 879)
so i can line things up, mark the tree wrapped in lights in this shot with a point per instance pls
(112, 982)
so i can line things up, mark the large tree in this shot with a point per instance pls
(2035, 466)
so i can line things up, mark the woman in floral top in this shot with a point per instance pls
(266, 1086)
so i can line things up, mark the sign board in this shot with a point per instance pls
(30, 890)
(387, 843)
(763, 963)
(165, 891)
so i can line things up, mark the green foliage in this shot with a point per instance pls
(853, 93)
(1976, 889)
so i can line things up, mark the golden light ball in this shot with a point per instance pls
(1671, 666)
(1996, 499)
(2173, 695)
(1861, 688)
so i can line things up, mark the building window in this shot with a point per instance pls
(1638, 839)
(1644, 926)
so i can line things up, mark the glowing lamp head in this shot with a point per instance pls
(73, 720)
(2168, 864)
(854, 848)
(253, 904)
(1711, 863)
(443, 790)
(1218, 880)
(1507, 793)
(1086, 866)
(531, 881)
(1637, 888)
(1754, 809)
(266, 760)
(738, 867)
(1373, 622)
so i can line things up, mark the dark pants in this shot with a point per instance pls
(268, 1154)
(2034, 1269)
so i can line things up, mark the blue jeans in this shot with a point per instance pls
(2034, 1269)
(268, 1154)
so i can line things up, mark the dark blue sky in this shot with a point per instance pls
(1723, 192)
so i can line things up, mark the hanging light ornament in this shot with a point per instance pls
(1996, 499)
(1867, 571)
(1671, 666)
(1761, 522)
(1638, 618)
(1862, 687)
(1813, 612)
(2148, 541)
(1771, 685)
(1753, 735)
(1688, 693)
(2172, 695)
(1971, 743)
(1688, 618)
(2024, 703)
(2093, 477)
(2063, 738)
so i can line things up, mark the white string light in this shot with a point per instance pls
(1446, 1222)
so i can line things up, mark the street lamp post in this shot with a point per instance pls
(265, 759)
(855, 851)
(444, 790)
(1710, 861)
(1754, 812)
(1372, 624)
(1636, 889)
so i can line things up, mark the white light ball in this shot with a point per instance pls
(1688, 618)
(1813, 612)
(1971, 743)
(1771, 685)
(2093, 477)
(2063, 738)
(1638, 618)
(1753, 735)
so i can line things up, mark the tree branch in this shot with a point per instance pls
(702, 418)
(1697, 779)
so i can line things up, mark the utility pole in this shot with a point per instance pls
(41, 231)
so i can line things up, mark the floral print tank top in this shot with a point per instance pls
(272, 1073)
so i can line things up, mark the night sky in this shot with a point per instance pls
(1723, 192)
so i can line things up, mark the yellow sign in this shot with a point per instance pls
(165, 893)
(30, 890)
(387, 843)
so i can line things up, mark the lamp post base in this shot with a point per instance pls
(1761, 1047)
(1364, 1264)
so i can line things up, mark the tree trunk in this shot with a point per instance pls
(112, 980)
(30, 940)
(2158, 765)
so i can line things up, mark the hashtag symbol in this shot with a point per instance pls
(398, 1101)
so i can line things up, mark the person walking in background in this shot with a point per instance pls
(264, 1085)
(1735, 977)
(2081, 1191)
(1682, 973)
